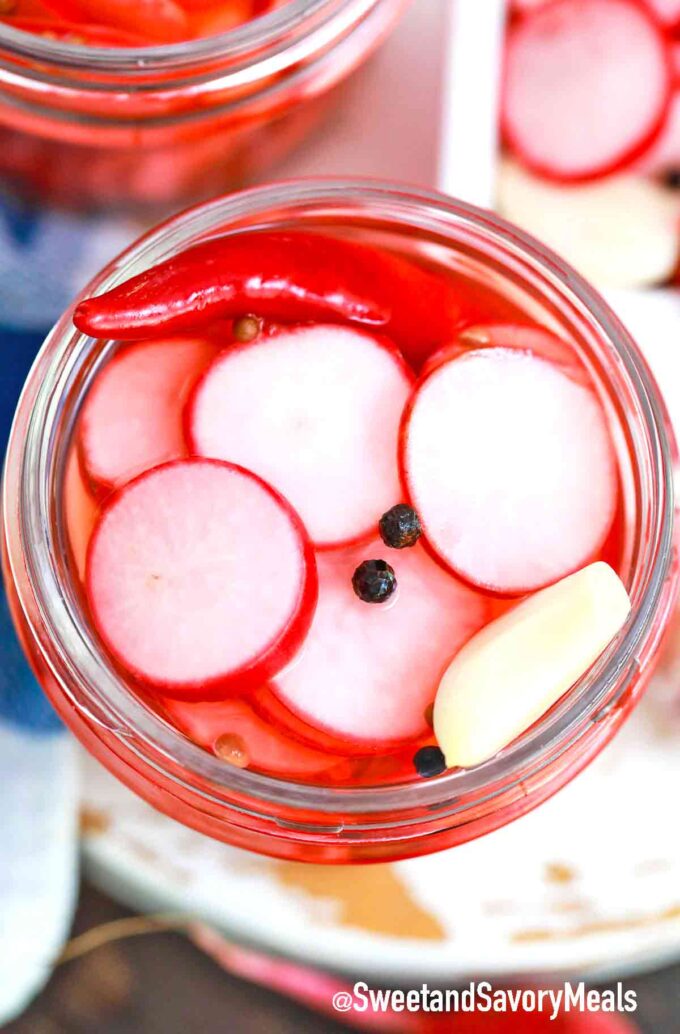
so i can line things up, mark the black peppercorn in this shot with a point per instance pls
(429, 761)
(400, 527)
(374, 581)
(671, 178)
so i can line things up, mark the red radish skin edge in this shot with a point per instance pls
(270, 707)
(290, 708)
(540, 342)
(281, 754)
(668, 25)
(99, 489)
(505, 594)
(380, 340)
(636, 151)
(101, 486)
(338, 744)
(277, 653)
(497, 594)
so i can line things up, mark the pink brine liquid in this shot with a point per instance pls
(229, 502)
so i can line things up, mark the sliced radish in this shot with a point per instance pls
(234, 731)
(132, 418)
(367, 674)
(200, 579)
(217, 18)
(587, 86)
(523, 6)
(510, 465)
(667, 11)
(315, 411)
(664, 155)
(82, 35)
(162, 21)
(620, 232)
(536, 340)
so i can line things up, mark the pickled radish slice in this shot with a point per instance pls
(159, 21)
(315, 412)
(367, 674)
(211, 19)
(667, 11)
(523, 6)
(664, 155)
(513, 671)
(220, 724)
(526, 338)
(509, 463)
(132, 417)
(587, 86)
(82, 35)
(200, 579)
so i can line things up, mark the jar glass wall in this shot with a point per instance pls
(156, 127)
(283, 817)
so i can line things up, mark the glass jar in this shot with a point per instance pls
(155, 127)
(307, 822)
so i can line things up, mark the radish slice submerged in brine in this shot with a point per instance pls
(510, 465)
(315, 412)
(367, 673)
(234, 731)
(200, 580)
(132, 417)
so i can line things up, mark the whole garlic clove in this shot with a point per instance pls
(514, 670)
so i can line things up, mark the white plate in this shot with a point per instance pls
(588, 883)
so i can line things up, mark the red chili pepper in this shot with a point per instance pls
(285, 277)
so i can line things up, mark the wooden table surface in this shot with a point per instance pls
(161, 984)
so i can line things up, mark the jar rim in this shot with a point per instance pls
(258, 35)
(25, 491)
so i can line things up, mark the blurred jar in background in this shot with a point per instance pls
(91, 125)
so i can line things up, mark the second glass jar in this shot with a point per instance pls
(154, 128)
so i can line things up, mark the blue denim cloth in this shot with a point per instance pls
(22, 702)
(46, 257)
(43, 260)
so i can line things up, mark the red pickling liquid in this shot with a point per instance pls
(131, 22)
(257, 728)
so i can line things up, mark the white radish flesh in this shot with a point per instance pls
(315, 412)
(367, 673)
(200, 580)
(587, 86)
(510, 465)
(132, 417)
